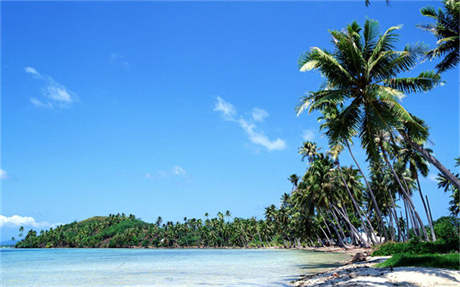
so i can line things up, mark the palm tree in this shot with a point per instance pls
(416, 165)
(309, 150)
(443, 182)
(362, 82)
(294, 179)
(328, 119)
(446, 30)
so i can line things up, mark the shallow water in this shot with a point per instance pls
(158, 267)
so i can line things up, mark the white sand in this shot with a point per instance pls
(364, 274)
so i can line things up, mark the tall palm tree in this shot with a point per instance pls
(362, 81)
(443, 182)
(328, 119)
(416, 165)
(294, 179)
(446, 30)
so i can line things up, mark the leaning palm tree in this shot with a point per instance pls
(362, 81)
(446, 30)
(294, 179)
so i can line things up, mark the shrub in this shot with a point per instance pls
(450, 261)
(415, 246)
(447, 228)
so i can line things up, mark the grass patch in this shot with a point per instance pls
(450, 261)
(418, 247)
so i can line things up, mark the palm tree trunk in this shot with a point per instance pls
(433, 236)
(338, 225)
(420, 224)
(374, 201)
(358, 209)
(429, 208)
(429, 157)
(353, 229)
(325, 234)
(392, 233)
(405, 193)
(393, 212)
(327, 226)
(339, 237)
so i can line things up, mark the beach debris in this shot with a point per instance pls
(359, 257)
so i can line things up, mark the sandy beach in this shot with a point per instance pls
(365, 274)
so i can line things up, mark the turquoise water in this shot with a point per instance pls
(158, 267)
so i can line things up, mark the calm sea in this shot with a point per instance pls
(158, 267)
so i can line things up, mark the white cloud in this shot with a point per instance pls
(36, 102)
(17, 220)
(227, 109)
(3, 174)
(259, 115)
(174, 171)
(308, 135)
(178, 170)
(257, 137)
(54, 94)
(261, 139)
(58, 93)
(31, 70)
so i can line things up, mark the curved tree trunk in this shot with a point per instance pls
(338, 225)
(429, 208)
(325, 234)
(405, 193)
(434, 161)
(433, 236)
(353, 229)
(362, 215)
(374, 201)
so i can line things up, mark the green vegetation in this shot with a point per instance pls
(416, 247)
(128, 231)
(450, 261)
(447, 232)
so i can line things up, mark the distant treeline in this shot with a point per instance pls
(121, 230)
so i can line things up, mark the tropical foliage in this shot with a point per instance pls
(446, 31)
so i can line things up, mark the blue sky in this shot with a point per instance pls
(175, 109)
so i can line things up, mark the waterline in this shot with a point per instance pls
(159, 267)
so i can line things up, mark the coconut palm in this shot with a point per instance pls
(444, 183)
(416, 165)
(294, 179)
(362, 82)
(446, 30)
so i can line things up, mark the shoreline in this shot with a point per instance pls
(365, 274)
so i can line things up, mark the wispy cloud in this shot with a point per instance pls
(178, 170)
(308, 135)
(18, 220)
(53, 94)
(31, 70)
(259, 115)
(3, 174)
(229, 113)
(227, 110)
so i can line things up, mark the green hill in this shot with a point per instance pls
(129, 231)
(99, 231)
